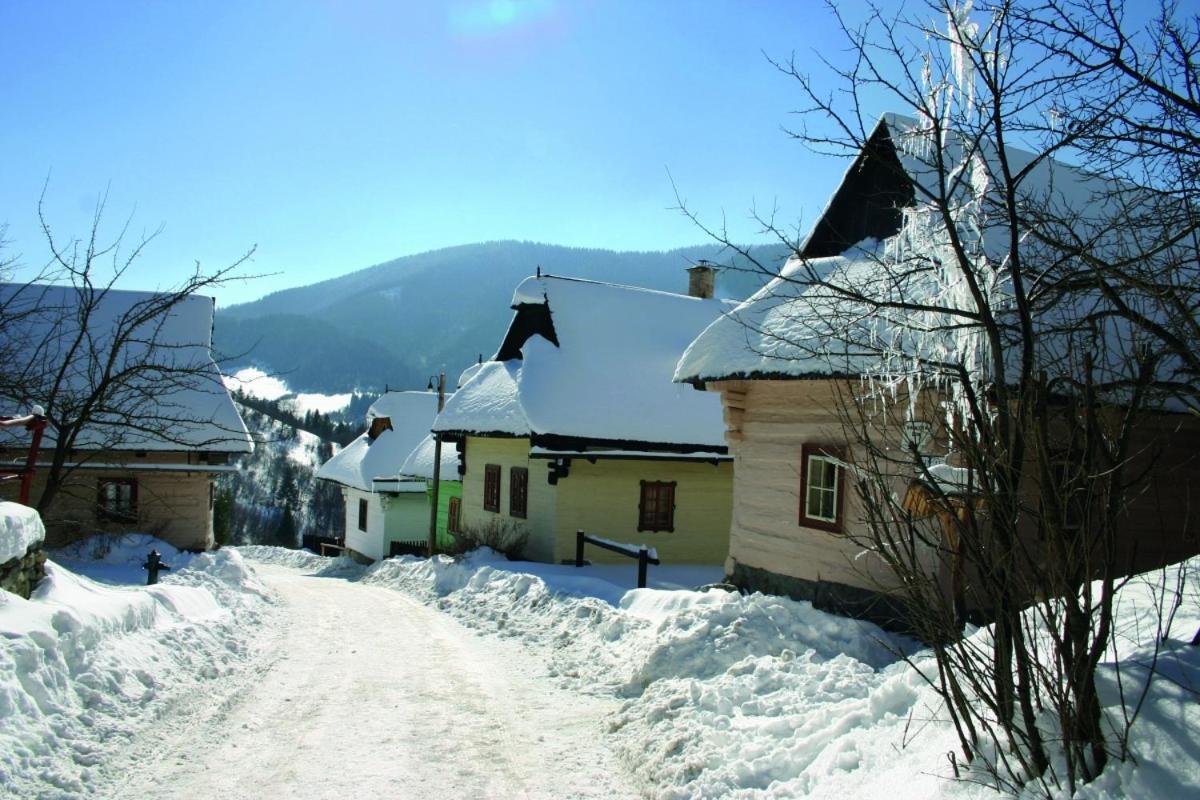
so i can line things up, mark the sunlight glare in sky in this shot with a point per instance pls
(496, 17)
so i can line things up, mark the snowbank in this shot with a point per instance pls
(117, 558)
(763, 697)
(20, 528)
(299, 559)
(84, 666)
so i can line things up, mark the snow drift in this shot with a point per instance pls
(84, 666)
(763, 697)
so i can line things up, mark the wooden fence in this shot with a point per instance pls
(640, 552)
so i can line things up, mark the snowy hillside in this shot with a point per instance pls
(275, 495)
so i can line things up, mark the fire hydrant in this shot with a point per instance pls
(153, 564)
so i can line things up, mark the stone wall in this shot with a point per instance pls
(21, 575)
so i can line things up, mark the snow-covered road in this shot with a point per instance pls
(364, 692)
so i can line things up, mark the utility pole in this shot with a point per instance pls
(437, 469)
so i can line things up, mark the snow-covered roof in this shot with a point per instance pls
(489, 402)
(792, 328)
(780, 330)
(182, 404)
(359, 463)
(467, 374)
(419, 463)
(599, 367)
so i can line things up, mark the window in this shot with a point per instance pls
(491, 488)
(821, 487)
(518, 492)
(454, 515)
(656, 511)
(362, 514)
(117, 500)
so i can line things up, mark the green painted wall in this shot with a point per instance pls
(446, 490)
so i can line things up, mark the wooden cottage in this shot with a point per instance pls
(147, 459)
(576, 425)
(383, 507)
(782, 384)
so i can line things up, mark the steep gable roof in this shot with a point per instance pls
(419, 463)
(180, 403)
(786, 329)
(359, 463)
(794, 329)
(590, 360)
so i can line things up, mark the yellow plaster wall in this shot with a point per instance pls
(602, 499)
(508, 453)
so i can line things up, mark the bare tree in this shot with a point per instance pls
(108, 369)
(1039, 316)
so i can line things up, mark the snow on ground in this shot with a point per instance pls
(345, 680)
(369, 693)
(118, 558)
(20, 527)
(86, 667)
(256, 383)
(764, 697)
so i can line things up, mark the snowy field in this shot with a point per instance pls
(467, 678)
(256, 383)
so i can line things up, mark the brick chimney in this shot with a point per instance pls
(701, 280)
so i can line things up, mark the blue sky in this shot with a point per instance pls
(336, 135)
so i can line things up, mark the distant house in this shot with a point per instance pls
(147, 458)
(576, 425)
(419, 465)
(381, 506)
(794, 504)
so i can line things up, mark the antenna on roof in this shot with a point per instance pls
(481, 358)
(386, 389)
(539, 272)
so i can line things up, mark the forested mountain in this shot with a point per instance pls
(275, 497)
(399, 322)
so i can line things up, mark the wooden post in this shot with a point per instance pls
(643, 563)
(579, 548)
(437, 470)
(38, 426)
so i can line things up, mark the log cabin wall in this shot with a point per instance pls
(174, 505)
(768, 423)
